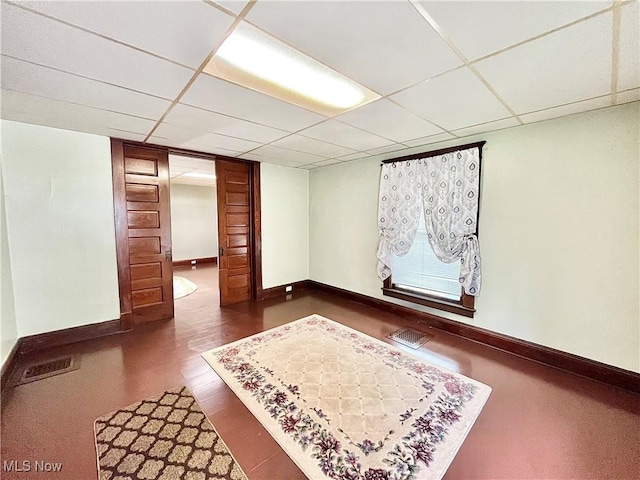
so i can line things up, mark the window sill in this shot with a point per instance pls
(440, 304)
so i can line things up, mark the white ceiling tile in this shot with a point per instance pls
(45, 82)
(629, 53)
(389, 148)
(385, 46)
(175, 135)
(27, 108)
(354, 156)
(326, 163)
(561, 111)
(29, 36)
(286, 155)
(454, 100)
(441, 137)
(628, 96)
(181, 135)
(313, 146)
(196, 145)
(311, 166)
(345, 135)
(235, 6)
(570, 65)
(387, 119)
(184, 164)
(480, 28)
(487, 127)
(125, 21)
(212, 122)
(223, 97)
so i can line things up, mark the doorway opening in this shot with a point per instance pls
(142, 214)
(194, 231)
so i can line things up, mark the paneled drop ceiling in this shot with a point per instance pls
(444, 70)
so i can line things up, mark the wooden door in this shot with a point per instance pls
(144, 222)
(234, 231)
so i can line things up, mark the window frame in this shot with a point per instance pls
(466, 305)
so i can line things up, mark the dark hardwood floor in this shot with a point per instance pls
(539, 422)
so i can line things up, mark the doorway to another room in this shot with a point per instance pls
(194, 233)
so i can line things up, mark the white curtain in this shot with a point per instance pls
(399, 209)
(446, 187)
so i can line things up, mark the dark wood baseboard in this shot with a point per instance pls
(569, 362)
(9, 366)
(182, 263)
(57, 338)
(280, 290)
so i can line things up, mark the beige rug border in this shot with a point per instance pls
(95, 437)
(313, 471)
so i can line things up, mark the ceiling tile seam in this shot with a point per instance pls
(567, 104)
(407, 87)
(104, 37)
(125, 131)
(204, 63)
(297, 151)
(615, 51)
(431, 21)
(547, 33)
(207, 132)
(86, 78)
(83, 105)
(299, 132)
(220, 7)
(423, 118)
(235, 118)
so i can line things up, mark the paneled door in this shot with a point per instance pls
(234, 231)
(143, 217)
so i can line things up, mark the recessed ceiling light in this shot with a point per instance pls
(199, 175)
(254, 59)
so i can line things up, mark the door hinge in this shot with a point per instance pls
(167, 255)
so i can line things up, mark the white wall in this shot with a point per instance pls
(8, 327)
(194, 222)
(59, 205)
(559, 233)
(285, 224)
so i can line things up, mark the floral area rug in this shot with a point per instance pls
(345, 405)
(166, 437)
(182, 287)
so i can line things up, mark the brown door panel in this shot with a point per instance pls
(146, 270)
(234, 231)
(142, 193)
(149, 232)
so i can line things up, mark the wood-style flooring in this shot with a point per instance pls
(539, 422)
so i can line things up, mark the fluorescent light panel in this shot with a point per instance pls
(254, 59)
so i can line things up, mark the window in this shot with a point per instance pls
(421, 272)
(435, 193)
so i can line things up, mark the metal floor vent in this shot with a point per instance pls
(38, 371)
(410, 337)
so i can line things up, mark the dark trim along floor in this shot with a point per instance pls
(575, 364)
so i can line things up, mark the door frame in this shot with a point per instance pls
(121, 224)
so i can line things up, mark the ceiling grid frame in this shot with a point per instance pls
(631, 93)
